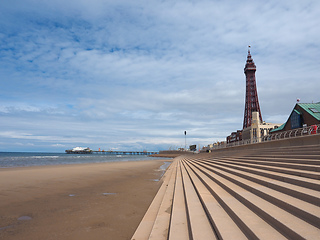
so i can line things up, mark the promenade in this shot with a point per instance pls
(265, 193)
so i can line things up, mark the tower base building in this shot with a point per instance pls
(257, 129)
(253, 126)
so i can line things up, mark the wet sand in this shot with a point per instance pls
(87, 201)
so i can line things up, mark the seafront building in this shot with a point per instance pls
(253, 125)
(303, 119)
(257, 129)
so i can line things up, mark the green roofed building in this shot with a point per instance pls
(302, 115)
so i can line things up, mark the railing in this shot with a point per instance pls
(309, 130)
(125, 152)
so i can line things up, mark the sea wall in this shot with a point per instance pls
(171, 153)
(288, 142)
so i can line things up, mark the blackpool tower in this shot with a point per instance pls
(252, 102)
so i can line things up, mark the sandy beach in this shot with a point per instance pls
(86, 201)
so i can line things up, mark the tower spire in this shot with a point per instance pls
(252, 102)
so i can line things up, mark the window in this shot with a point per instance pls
(254, 132)
(314, 110)
(296, 120)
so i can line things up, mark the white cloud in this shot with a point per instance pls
(121, 72)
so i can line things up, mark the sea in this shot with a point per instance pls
(28, 159)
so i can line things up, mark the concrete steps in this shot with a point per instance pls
(160, 209)
(251, 210)
(310, 171)
(282, 160)
(312, 167)
(246, 196)
(277, 174)
(298, 207)
(307, 195)
(291, 156)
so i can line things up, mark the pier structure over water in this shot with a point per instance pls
(80, 150)
(125, 152)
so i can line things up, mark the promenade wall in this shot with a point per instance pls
(288, 142)
(172, 153)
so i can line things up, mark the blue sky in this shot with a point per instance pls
(134, 75)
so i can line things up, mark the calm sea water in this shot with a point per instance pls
(19, 159)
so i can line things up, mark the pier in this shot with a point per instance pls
(80, 150)
(125, 152)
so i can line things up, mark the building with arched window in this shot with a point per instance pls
(302, 115)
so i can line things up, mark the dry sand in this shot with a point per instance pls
(87, 201)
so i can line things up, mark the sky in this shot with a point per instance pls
(134, 75)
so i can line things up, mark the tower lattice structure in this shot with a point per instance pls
(252, 102)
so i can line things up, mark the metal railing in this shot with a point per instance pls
(298, 132)
(309, 130)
